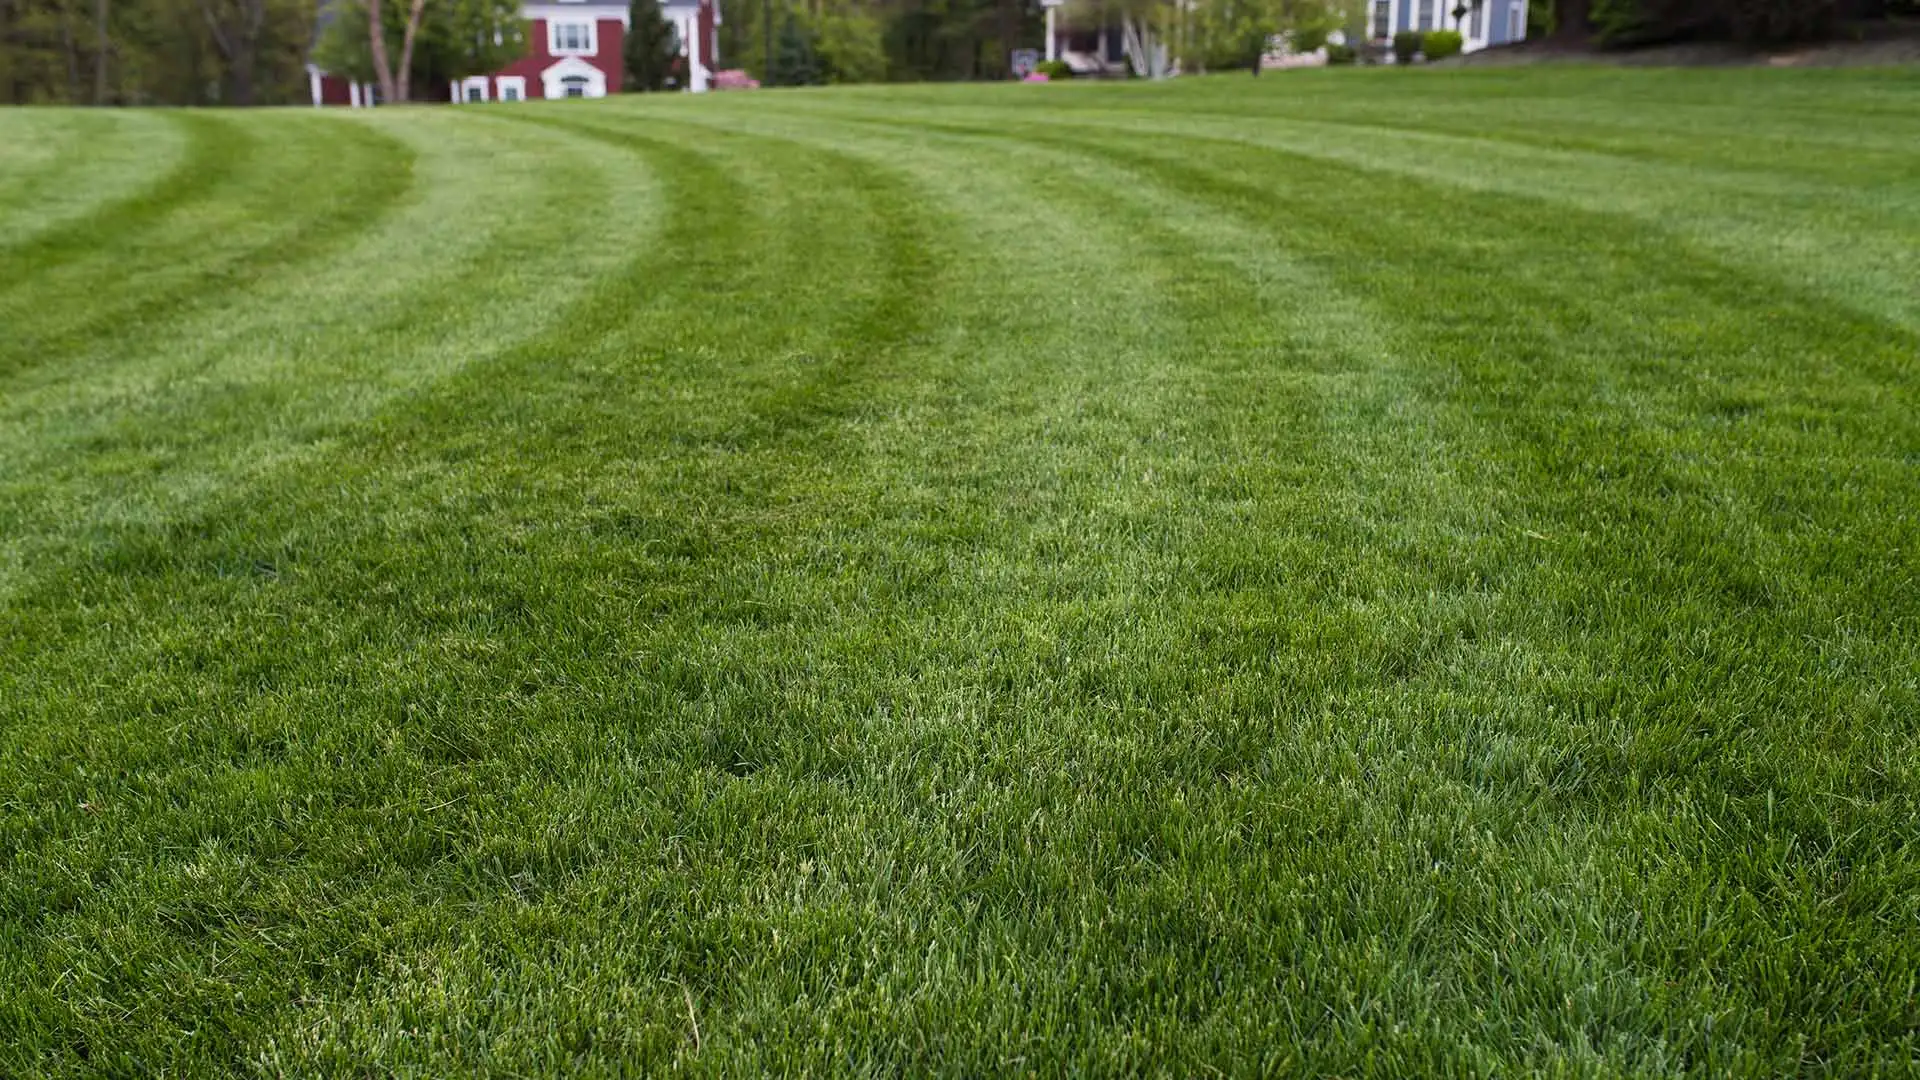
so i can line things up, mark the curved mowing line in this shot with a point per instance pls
(263, 408)
(1681, 264)
(43, 192)
(190, 540)
(369, 172)
(196, 542)
(1877, 231)
(214, 152)
(1206, 291)
(1261, 210)
(1706, 536)
(1330, 362)
(879, 327)
(539, 415)
(1576, 149)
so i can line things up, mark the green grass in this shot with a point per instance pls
(1362, 573)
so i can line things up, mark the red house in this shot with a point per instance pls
(573, 50)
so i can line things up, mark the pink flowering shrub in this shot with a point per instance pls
(1037, 77)
(734, 79)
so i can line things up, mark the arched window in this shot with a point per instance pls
(574, 86)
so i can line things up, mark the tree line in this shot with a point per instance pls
(254, 52)
(1629, 23)
(154, 52)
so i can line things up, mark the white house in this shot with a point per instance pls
(1483, 23)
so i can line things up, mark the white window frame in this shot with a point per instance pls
(516, 83)
(1517, 23)
(554, 48)
(469, 85)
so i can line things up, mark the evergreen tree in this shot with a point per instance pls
(794, 60)
(651, 52)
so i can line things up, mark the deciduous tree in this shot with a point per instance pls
(394, 82)
(455, 39)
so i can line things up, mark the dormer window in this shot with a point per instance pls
(571, 37)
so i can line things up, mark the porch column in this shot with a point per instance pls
(313, 84)
(1053, 43)
(353, 94)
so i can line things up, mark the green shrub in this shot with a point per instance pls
(852, 48)
(1620, 24)
(1440, 44)
(1308, 38)
(1341, 54)
(1053, 69)
(1405, 44)
(1769, 21)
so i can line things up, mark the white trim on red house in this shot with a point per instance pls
(686, 26)
(554, 81)
(590, 12)
(511, 88)
(701, 52)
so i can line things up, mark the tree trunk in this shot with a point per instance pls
(246, 57)
(377, 45)
(404, 77)
(73, 53)
(241, 75)
(1008, 33)
(1572, 23)
(238, 50)
(99, 52)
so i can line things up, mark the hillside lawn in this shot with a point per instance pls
(1362, 573)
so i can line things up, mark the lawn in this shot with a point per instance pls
(1352, 573)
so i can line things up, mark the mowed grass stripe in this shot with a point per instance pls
(325, 343)
(1090, 416)
(212, 151)
(756, 759)
(61, 166)
(606, 312)
(1700, 521)
(1896, 729)
(764, 755)
(1643, 415)
(1789, 224)
(1131, 658)
(1602, 950)
(106, 169)
(783, 380)
(233, 216)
